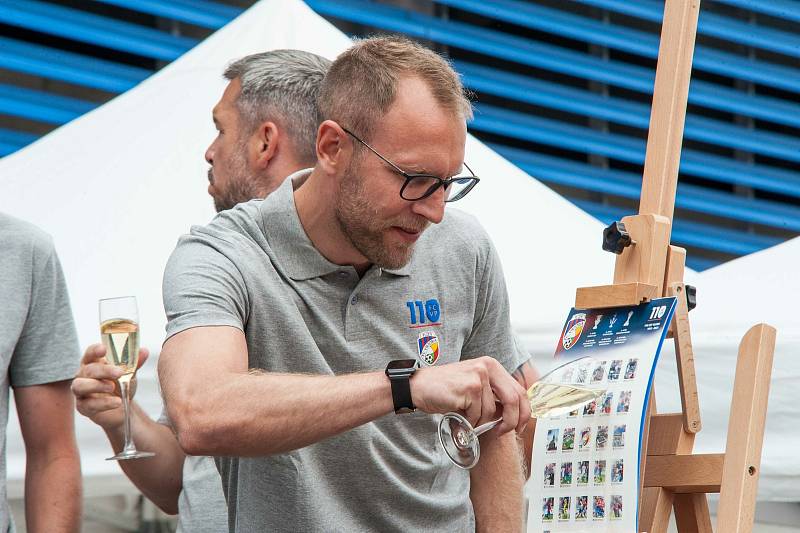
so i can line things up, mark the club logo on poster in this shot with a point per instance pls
(573, 330)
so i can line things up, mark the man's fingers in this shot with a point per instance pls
(82, 387)
(510, 414)
(488, 407)
(96, 404)
(144, 353)
(93, 353)
(100, 371)
(508, 391)
(524, 412)
(473, 408)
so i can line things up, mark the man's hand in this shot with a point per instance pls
(478, 388)
(95, 387)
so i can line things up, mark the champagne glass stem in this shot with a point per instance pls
(483, 428)
(125, 389)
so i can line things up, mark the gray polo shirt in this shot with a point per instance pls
(201, 502)
(38, 342)
(254, 268)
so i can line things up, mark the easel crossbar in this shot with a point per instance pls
(699, 473)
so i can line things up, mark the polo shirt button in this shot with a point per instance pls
(342, 274)
(353, 300)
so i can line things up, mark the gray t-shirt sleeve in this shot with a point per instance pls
(202, 287)
(47, 350)
(491, 330)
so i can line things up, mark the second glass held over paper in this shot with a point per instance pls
(552, 395)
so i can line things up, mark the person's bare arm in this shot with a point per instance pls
(497, 480)
(159, 477)
(218, 408)
(53, 469)
(526, 375)
(496, 485)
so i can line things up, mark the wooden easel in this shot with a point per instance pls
(649, 267)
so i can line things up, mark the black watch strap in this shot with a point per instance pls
(400, 379)
(401, 394)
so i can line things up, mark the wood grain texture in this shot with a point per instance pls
(604, 296)
(684, 355)
(691, 513)
(668, 114)
(645, 260)
(685, 473)
(746, 430)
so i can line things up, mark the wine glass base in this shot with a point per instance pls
(123, 456)
(459, 441)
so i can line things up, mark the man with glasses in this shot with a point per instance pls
(350, 293)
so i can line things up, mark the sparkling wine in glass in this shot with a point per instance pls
(119, 330)
(553, 394)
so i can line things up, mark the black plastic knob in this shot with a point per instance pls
(691, 297)
(615, 238)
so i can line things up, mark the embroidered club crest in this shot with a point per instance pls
(573, 330)
(428, 347)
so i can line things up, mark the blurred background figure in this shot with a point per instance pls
(39, 355)
(266, 125)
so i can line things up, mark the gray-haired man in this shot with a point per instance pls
(266, 121)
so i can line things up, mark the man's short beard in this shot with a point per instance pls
(360, 222)
(241, 185)
(237, 192)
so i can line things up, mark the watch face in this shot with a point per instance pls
(400, 364)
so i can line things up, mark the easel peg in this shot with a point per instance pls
(616, 238)
(691, 296)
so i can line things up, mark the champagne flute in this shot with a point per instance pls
(563, 389)
(119, 329)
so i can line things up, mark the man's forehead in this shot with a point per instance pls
(228, 98)
(424, 148)
(223, 110)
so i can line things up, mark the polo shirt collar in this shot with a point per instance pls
(286, 236)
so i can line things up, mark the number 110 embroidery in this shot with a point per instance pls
(430, 310)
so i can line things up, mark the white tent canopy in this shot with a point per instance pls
(117, 187)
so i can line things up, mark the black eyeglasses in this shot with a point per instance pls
(419, 186)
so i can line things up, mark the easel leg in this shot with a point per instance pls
(691, 513)
(656, 503)
(655, 511)
(746, 430)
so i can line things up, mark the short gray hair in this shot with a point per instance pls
(282, 86)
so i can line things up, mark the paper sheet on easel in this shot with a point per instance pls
(585, 467)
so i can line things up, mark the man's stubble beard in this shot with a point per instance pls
(361, 223)
(241, 185)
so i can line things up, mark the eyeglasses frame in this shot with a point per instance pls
(440, 182)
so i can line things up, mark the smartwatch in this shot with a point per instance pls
(399, 373)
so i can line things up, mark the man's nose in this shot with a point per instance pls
(431, 207)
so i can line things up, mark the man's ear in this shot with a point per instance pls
(333, 150)
(266, 139)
